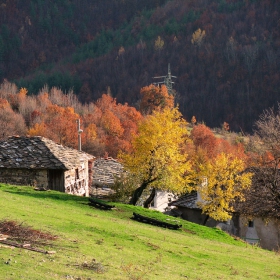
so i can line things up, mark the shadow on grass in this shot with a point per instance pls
(27, 191)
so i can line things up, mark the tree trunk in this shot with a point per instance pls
(137, 193)
(150, 198)
(205, 220)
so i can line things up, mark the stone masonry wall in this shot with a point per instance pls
(268, 232)
(76, 180)
(24, 177)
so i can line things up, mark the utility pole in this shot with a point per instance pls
(79, 135)
(167, 80)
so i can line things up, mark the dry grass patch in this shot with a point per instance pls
(25, 234)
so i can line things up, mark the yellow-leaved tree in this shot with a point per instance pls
(158, 159)
(222, 180)
(198, 37)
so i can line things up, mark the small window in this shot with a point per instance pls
(76, 174)
(251, 224)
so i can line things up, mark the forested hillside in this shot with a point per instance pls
(225, 54)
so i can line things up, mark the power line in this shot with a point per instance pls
(167, 80)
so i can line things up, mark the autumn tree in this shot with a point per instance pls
(155, 97)
(39, 129)
(221, 181)
(117, 123)
(198, 37)
(221, 165)
(62, 122)
(26, 105)
(264, 147)
(43, 101)
(11, 123)
(91, 137)
(158, 159)
(159, 43)
(203, 138)
(59, 124)
(207, 143)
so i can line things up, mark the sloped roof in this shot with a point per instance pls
(186, 201)
(105, 170)
(38, 153)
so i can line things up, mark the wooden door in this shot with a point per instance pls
(56, 180)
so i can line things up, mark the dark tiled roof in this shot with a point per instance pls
(105, 170)
(187, 201)
(38, 153)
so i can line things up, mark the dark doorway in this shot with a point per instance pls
(56, 180)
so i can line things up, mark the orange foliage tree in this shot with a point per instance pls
(107, 125)
(207, 143)
(111, 123)
(115, 124)
(153, 97)
(58, 124)
(203, 138)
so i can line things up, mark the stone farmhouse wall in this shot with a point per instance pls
(77, 180)
(40, 162)
(267, 232)
(161, 200)
(26, 177)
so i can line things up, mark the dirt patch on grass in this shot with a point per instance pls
(188, 231)
(94, 265)
(23, 233)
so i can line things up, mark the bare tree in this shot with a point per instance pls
(264, 196)
(7, 89)
(11, 123)
(26, 108)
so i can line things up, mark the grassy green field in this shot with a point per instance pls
(99, 244)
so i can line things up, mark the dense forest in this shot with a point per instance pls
(224, 53)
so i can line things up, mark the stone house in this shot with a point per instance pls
(187, 209)
(105, 171)
(40, 162)
(161, 201)
(258, 217)
(258, 230)
(254, 226)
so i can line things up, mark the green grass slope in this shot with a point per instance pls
(99, 244)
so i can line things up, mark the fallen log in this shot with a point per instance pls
(152, 221)
(25, 246)
(100, 205)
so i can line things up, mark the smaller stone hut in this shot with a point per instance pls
(188, 209)
(40, 162)
(254, 220)
(259, 215)
(105, 172)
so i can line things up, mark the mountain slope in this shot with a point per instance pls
(229, 74)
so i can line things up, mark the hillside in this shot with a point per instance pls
(98, 244)
(228, 72)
